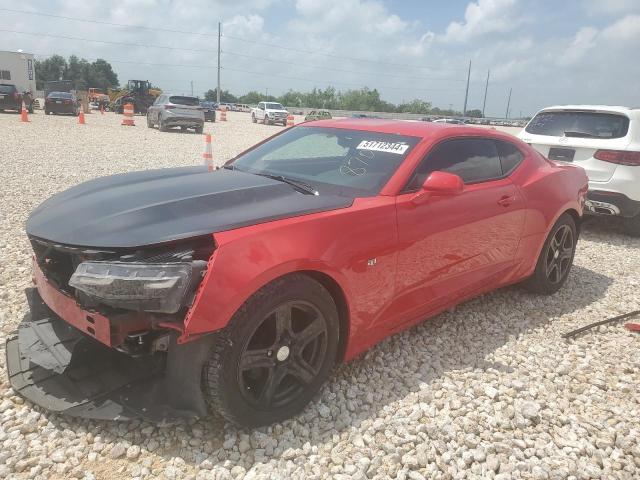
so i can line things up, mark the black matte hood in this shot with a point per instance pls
(156, 206)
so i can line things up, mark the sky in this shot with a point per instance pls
(547, 52)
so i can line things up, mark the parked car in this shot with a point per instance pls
(176, 111)
(603, 140)
(451, 121)
(241, 288)
(318, 115)
(209, 109)
(61, 103)
(269, 113)
(11, 98)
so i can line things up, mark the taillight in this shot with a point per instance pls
(620, 157)
(169, 107)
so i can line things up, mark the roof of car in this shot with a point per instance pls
(599, 108)
(413, 128)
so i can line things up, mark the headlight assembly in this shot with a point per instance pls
(152, 287)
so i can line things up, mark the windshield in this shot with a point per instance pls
(60, 95)
(191, 101)
(579, 124)
(273, 106)
(332, 160)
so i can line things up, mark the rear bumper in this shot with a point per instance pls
(56, 366)
(600, 202)
(10, 106)
(183, 122)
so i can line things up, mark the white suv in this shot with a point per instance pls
(603, 140)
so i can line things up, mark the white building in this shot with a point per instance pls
(18, 68)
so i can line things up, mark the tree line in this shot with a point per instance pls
(363, 99)
(82, 73)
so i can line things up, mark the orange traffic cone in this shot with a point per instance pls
(223, 114)
(127, 111)
(81, 116)
(207, 155)
(24, 117)
(290, 122)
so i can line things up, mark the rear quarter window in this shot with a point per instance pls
(190, 101)
(579, 124)
(510, 156)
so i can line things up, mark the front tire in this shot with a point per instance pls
(149, 121)
(199, 129)
(275, 354)
(556, 258)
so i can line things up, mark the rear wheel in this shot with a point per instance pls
(275, 354)
(632, 226)
(199, 129)
(149, 121)
(556, 258)
(253, 118)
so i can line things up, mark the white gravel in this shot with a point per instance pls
(488, 390)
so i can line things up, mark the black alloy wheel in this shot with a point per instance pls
(559, 254)
(283, 356)
(556, 257)
(275, 354)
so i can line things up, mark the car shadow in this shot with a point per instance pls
(422, 359)
(609, 230)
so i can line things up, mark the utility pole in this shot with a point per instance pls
(486, 87)
(466, 95)
(218, 89)
(508, 103)
(192, 88)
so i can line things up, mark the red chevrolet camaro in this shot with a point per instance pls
(170, 293)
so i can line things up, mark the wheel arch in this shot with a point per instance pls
(576, 218)
(340, 300)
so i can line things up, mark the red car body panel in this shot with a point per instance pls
(398, 258)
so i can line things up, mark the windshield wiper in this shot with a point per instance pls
(297, 184)
(576, 133)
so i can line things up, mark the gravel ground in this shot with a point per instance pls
(488, 390)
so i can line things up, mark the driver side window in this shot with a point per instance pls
(473, 159)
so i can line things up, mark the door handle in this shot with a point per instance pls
(505, 200)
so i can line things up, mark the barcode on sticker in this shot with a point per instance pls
(389, 147)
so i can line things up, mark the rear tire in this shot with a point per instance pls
(199, 129)
(632, 226)
(253, 118)
(275, 354)
(149, 122)
(556, 258)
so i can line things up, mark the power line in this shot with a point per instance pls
(356, 59)
(145, 45)
(206, 34)
(204, 66)
(100, 22)
(359, 72)
(330, 82)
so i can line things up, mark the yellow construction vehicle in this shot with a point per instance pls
(138, 92)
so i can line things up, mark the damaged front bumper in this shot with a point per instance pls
(60, 368)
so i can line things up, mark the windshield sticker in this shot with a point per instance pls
(389, 147)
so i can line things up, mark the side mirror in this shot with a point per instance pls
(440, 184)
